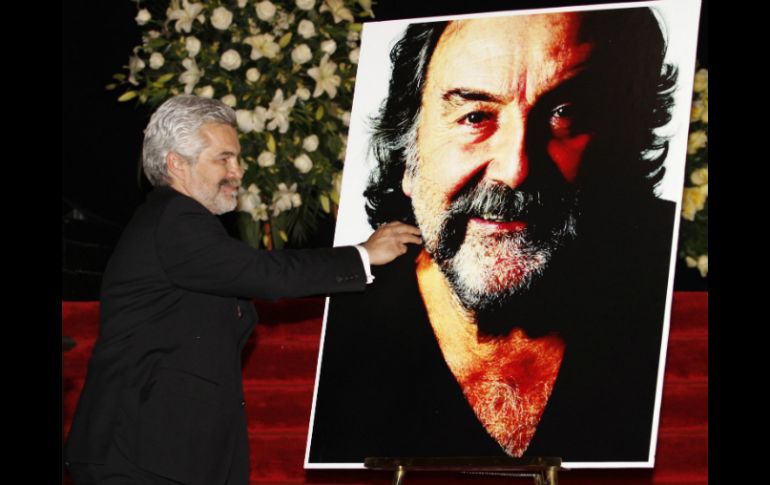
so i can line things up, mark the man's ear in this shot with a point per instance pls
(176, 166)
(406, 182)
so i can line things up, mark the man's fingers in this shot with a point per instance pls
(390, 240)
(400, 228)
(410, 238)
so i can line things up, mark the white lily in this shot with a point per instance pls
(338, 10)
(262, 46)
(325, 79)
(279, 111)
(248, 199)
(283, 22)
(250, 202)
(252, 120)
(285, 198)
(135, 64)
(702, 263)
(191, 76)
(367, 6)
(185, 16)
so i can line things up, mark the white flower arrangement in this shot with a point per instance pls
(287, 68)
(693, 231)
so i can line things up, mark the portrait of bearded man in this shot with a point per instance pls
(526, 148)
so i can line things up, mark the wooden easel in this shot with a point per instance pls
(543, 470)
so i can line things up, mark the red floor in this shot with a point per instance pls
(279, 370)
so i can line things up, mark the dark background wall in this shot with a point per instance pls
(101, 138)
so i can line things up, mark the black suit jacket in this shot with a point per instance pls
(164, 381)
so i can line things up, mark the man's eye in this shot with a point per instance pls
(564, 120)
(477, 118)
(564, 111)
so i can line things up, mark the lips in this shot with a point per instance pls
(230, 188)
(497, 223)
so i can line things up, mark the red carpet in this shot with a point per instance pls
(279, 370)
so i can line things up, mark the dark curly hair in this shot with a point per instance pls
(635, 99)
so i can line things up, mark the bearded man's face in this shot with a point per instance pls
(499, 142)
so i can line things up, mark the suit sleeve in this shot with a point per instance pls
(197, 254)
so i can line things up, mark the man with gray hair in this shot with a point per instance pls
(163, 399)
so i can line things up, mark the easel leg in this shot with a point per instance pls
(552, 476)
(398, 477)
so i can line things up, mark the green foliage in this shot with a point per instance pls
(288, 72)
(693, 231)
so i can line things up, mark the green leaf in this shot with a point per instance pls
(283, 235)
(156, 44)
(110, 87)
(271, 142)
(319, 113)
(128, 95)
(324, 203)
(278, 242)
(165, 78)
(249, 230)
(285, 40)
(119, 77)
(357, 27)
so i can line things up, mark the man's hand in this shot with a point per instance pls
(389, 241)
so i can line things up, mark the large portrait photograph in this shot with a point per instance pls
(541, 155)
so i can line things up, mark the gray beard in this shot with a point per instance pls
(475, 281)
(477, 278)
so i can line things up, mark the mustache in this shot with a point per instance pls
(498, 200)
(233, 182)
(540, 209)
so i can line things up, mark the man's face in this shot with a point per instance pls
(500, 140)
(214, 179)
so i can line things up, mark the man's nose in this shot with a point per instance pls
(234, 169)
(509, 163)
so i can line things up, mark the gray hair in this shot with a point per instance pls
(175, 127)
